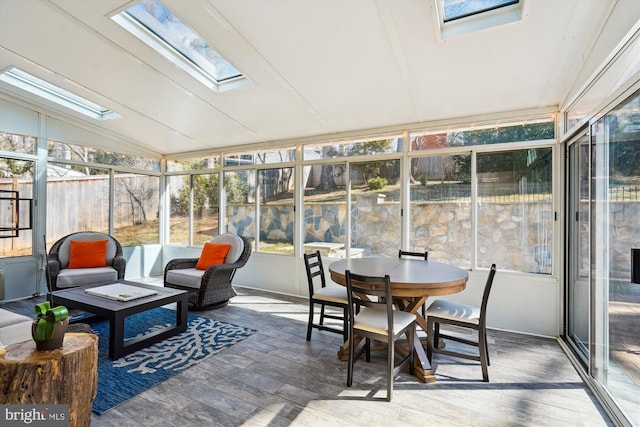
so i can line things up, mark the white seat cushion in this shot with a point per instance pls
(332, 293)
(375, 320)
(72, 277)
(451, 310)
(189, 277)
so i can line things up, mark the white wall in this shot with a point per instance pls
(143, 260)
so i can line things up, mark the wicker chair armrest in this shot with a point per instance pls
(223, 270)
(53, 265)
(120, 264)
(178, 263)
(53, 269)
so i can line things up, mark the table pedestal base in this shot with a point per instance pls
(422, 367)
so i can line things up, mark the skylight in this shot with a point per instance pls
(43, 89)
(155, 25)
(458, 9)
(457, 17)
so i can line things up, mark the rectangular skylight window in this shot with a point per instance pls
(43, 89)
(155, 25)
(458, 17)
(458, 9)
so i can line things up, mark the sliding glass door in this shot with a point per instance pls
(615, 171)
(578, 226)
(603, 217)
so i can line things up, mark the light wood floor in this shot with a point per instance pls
(277, 378)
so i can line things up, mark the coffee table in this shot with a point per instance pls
(117, 311)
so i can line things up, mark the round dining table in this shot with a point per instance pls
(412, 282)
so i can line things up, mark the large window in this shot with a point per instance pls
(511, 210)
(277, 223)
(515, 210)
(77, 200)
(440, 197)
(90, 189)
(240, 194)
(194, 208)
(371, 225)
(136, 209)
(375, 208)
(325, 209)
(260, 202)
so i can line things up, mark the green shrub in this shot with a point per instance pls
(377, 183)
(423, 179)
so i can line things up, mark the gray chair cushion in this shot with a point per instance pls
(18, 332)
(10, 318)
(65, 249)
(71, 277)
(14, 327)
(188, 277)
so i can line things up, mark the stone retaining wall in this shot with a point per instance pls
(516, 236)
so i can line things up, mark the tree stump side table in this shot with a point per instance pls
(68, 375)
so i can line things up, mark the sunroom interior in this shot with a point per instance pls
(508, 136)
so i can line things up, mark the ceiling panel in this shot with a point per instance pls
(316, 66)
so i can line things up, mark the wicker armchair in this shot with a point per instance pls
(60, 276)
(210, 288)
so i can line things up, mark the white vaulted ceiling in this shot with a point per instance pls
(317, 66)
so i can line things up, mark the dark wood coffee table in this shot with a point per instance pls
(117, 311)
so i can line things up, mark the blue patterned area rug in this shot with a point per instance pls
(122, 379)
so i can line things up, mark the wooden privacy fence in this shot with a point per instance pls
(82, 203)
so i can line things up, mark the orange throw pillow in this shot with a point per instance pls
(88, 254)
(212, 254)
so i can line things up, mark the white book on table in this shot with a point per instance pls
(121, 292)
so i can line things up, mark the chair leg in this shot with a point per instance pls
(350, 365)
(390, 365)
(412, 337)
(310, 324)
(368, 350)
(322, 314)
(482, 344)
(486, 346)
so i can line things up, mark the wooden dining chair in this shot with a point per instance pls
(323, 295)
(464, 316)
(377, 320)
(424, 255)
